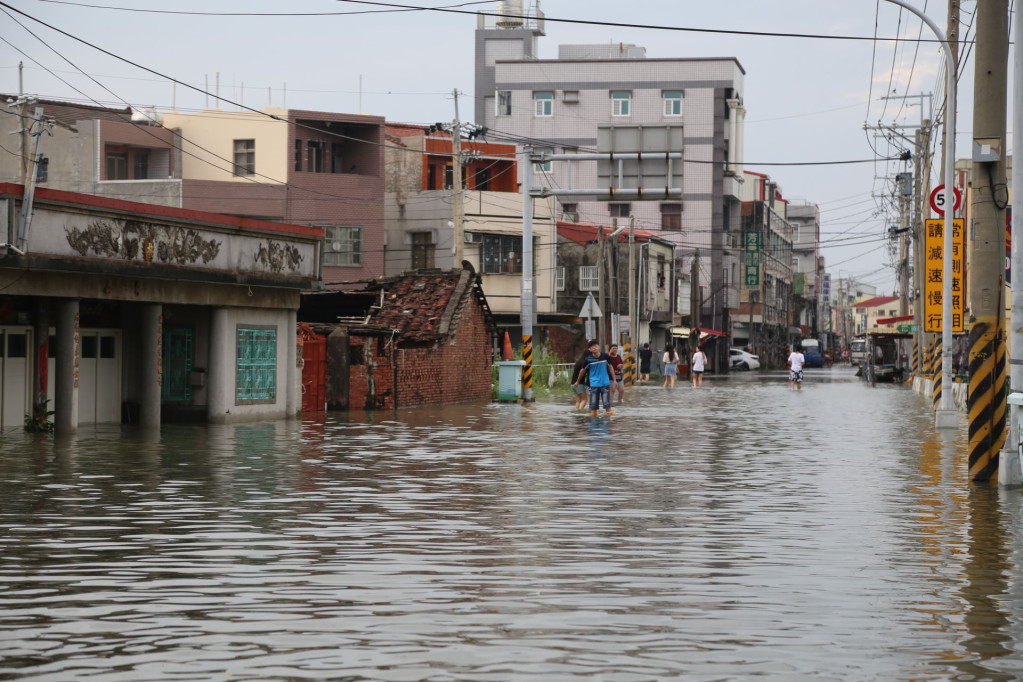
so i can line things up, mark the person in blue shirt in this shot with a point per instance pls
(601, 375)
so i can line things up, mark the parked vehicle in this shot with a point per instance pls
(858, 351)
(812, 353)
(738, 359)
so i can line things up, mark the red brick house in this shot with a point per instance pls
(419, 339)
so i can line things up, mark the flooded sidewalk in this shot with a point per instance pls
(737, 530)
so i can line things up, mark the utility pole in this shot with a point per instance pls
(633, 318)
(905, 185)
(601, 285)
(1009, 465)
(922, 174)
(986, 397)
(456, 189)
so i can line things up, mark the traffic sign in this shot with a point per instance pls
(906, 328)
(590, 308)
(938, 199)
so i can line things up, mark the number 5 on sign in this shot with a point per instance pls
(939, 199)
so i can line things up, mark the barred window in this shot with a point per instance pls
(256, 376)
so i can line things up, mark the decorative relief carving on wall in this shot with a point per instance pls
(132, 239)
(276, 256)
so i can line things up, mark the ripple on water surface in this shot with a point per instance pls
(737, 530)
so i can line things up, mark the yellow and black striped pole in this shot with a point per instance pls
(985, 400)
(916, 357)
(630, 365)
(527, 369)
(936, 372)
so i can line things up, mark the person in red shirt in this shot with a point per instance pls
(618, 365)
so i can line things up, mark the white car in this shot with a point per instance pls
(741, 360)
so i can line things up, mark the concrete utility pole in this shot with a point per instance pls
(986, 397)
(633, 307)
(1008, 463)
(922, 173)
(526, 305)
(905, 192)
(602, 284)
(456, 189)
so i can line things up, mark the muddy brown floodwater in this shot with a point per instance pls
(740, 530)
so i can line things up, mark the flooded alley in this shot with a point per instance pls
(734, 531)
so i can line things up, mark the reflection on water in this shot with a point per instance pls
(741, 529)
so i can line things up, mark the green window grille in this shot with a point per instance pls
(257, 365)
(177, 365)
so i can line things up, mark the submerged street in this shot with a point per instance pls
(737, 530)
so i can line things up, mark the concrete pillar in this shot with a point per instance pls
(150, 365)
(66, 370)
(220, 371)
(293, 361)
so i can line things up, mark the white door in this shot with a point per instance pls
(99, 377)
(15, 376)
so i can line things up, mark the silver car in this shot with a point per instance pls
(741, 360)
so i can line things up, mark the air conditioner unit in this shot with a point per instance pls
(733, 241)
(469, 237)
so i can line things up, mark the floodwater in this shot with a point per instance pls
(739, 530)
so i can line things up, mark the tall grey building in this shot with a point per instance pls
(558, 105)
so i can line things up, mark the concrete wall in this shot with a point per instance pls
(223, 375)
(211, 134)
(485, 213)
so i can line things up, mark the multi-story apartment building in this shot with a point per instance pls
(420, 215)
(558, 105)
(768, 304)
(309, 168)
(808, 266)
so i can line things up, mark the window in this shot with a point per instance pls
(559, 278)
(343, 245)
(588, 280)
(543, 104)
(481, 179)
(619, 210)
(140, 165)
(504, 103)
(315, 160)
(298, 155)
(621, 103)
(117, 165)
(17, 345)
(337, 158)
(571, 96)
(88, 346)
(570, 212)
(244, 157)
(671, 217)
(672, 102)
(256, 376)
(543, 167)
(500, 254)
(422, 250)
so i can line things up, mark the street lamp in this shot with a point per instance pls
(945, 417)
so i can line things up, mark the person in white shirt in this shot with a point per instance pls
(699, 366)
(795, 363)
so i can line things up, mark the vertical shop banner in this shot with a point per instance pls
(934, 269)
(751, 262)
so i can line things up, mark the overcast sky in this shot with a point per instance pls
(806, 99)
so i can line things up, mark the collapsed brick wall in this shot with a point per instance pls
(456, 370)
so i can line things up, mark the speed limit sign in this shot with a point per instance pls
(938, 199)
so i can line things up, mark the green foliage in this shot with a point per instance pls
(39, 423)
(544, 361)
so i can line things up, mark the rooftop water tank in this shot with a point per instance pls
(511, 13)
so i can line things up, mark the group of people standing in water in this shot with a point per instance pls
(598, 377)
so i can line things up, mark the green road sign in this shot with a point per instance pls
(906, 328)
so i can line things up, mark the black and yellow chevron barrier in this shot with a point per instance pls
(935, 371)
(916, 357)
(630, 365)
(986, 398)
(527, 369)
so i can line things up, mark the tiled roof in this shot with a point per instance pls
(875, 301)
(583, 233)
(415, 305)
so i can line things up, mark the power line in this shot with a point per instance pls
(618, 24)
(255, 14)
